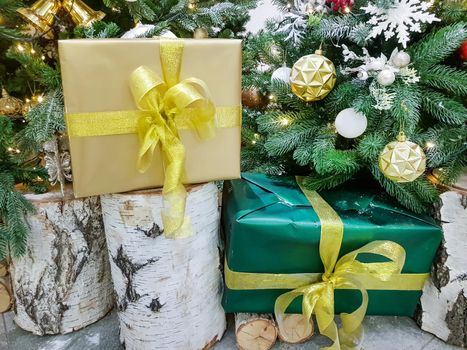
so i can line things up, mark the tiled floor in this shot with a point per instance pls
(381, 333)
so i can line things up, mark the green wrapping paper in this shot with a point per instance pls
(270, 227)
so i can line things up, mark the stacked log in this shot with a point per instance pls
(168, 290)
(443, 309)
(63, 281)
(6, 298)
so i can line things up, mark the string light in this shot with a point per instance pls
(33, 51)
(430, 144)
(9, 149)
(285, 121)
(191, 5)
(289, 5)
(346, 9)
(20, 47)
(40, 98)
(27, 100)
(253, 142)
(43, 58)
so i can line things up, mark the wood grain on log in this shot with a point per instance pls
(296, 329)
(63, 281)
(255, 331)
(443, 309)
(6, 299)
(3, 268)
(168, 290)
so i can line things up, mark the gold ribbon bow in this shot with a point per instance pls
(164, 102)
(347, 272)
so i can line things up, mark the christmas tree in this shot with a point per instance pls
(33, 147)
(383, 98)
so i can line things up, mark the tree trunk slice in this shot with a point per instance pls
(63, 281)
(5, 295)
(168, 290)
(443, 309)
(296, 329)
(255, 331)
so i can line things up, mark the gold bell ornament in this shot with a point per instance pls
(41, 15)
(80, 13)
(43, 12)
(10, 106)
(402, 160)
(313, 77)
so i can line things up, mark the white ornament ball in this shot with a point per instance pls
(167, 34)
(138, 31)
(401, 59)
(362, 75)
(350, 123)
(386, 77)
(281, 74)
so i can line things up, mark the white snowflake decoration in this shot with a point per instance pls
(404, 17)
(409, 75)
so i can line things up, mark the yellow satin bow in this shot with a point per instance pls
(164, 102)
(347, 272)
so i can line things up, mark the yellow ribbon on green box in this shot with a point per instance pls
(317, 289)
(164, 107)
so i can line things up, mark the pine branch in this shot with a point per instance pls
(317, 182)
(437, 46)
(45, 119)
(444, 109)
(446, 78)
(406, 108)
(336, 27)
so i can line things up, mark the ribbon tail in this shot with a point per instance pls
(176, 225)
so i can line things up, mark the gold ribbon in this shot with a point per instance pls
(163, 101)
(165, 106)
(347, 272)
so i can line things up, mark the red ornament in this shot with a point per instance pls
(463, 51)
(344, 6)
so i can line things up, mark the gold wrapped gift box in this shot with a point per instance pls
(96, 84)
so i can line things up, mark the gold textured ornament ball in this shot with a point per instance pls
(254, 99)
(313, 77)
(10, 106)
(402, 160)
(200, 33)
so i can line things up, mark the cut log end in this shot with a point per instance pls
(255, 332)
(5, 298)
(296, 329)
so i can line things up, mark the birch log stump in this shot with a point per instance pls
(255, 331)
(6, 297)
(168, 290)
(63, 282)
(443, 310)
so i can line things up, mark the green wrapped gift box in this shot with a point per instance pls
(271, 228)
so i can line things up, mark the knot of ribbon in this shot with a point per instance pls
(164, 101)
(347, 273)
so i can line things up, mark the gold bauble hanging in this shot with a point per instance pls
(254, 99)
(313, 77)
(402, 160)
(200, 33)
(10, 106)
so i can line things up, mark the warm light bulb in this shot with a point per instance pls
(43, 58)
(285, 121)
(20, 48)
(17, 150)
(27, 100)
(40, 99)
(191, 5)
(33, 51)
(346, 9)
(9, 149)
(430, 144)
(253, 142)
(289, 5)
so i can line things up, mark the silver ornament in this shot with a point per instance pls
(386, 77)
(401, 59)
(281, 74)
